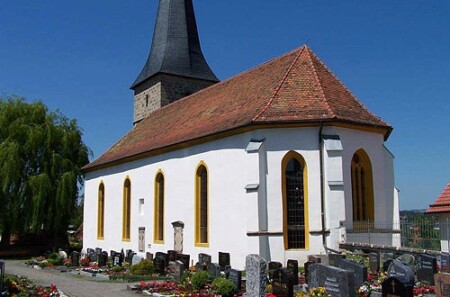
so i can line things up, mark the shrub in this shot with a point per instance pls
(58, 261)
(53, 256)
(117, 269)
(142, 268)
(223, 287)
(200, 279)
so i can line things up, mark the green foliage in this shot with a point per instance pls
(57, 262)
(41, 155)
(223, 287)
(186, 278)
(144, 267)
(53, 256)
(117, 269)
(200, 279)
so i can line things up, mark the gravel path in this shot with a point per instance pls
(71, 284)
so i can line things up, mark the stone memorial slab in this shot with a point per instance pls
(256, 276)
(442, 281)
(92, 255)
(224, 260)
(323, 259)
(306, 268)
(136, 260)
(282, 284)
(98, 250)
(401, 272)
(359, 271)
(374, 263)
(102, 259)
(205, 259)
(176, 270)
(214, 270)
(338, 282)
(185, 259)
(292, 266)
(408, 260)
(235, 276)
(426, 268)
(387, 256)
(172, 255)
(272, 267)
(386, 264)
(75, 258)
(200, 267)
(178, 229)
(334, 259)
(159, 264)
(163, 256)
(2, 275)
(141, 240)
(117, 258)
(392, 287)
(149, 256)
(445, 262)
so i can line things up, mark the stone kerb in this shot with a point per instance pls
(256, 276)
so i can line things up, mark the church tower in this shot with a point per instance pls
(175, 67)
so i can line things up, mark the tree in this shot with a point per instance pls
(41, 155)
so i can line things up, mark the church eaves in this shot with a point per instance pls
(176, 46)
(442, 203)
(293, 90)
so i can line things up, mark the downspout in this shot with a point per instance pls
(322, 187)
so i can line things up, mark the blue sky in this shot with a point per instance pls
(82, 56)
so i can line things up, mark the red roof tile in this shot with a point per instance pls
(442, 203)
(294, 88)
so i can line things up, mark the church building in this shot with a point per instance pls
(281, 160)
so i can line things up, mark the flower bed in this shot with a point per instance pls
(20, 286)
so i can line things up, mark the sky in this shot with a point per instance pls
(82, 56)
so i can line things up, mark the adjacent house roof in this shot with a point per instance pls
(176, 45)
(442, 203)
(294, 89)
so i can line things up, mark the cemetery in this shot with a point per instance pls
(336, 274)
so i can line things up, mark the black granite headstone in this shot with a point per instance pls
(102, 259)
(75, 258)
(98, 250)
(427, 267)
(386, 264)
(2, 275)
(374, 263)
(272, 266)
(224, 260)
(159, 264)
(149, 256)
(185, 259)
(164, 257)
(117, 258)
(282, 284)
(393, 287)
(359, 271)
(214, 270)
(334, 259)
(200, 267)
(292, 266)
(172, 255)
(204, 259)
(235, 276)
(337, 282)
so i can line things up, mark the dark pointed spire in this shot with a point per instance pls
(176, 45)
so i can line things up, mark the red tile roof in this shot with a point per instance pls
(442, 203)
(296, 88)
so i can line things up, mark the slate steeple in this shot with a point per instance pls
(175, 66)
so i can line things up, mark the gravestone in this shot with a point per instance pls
(392, 287)
(224, 260)
(214, 270)
(282, 284)
(445, 262)
(272, 267)
(256, 276)
(2, 275)
(427, 267)
(401, 272)
(306, 268)
(129, 258)
(387, 256)
(92, 255)
(374, 263)
(387, 264)
(408, 260)
(176, 270)
(136, 260)
(98, 250)
(292, 266)
(102, 259)
(159, 264)
(227, 270)
(235, 276)
(117, 258)
(200, 267)
(323, 259)
(178, 228)
(185, 259)
(141, 244)
(334, 259)
(338, 282)
(204, 259)
(149, 256)
(359, 271)
(164, 257)
(172, 255)
(62, 254)
(75, 258)
(442, 281)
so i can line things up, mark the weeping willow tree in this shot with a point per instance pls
(41, 155)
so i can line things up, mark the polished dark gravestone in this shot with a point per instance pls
(204, 259)
(386, 264)
(338, 282)
(272, 267)
(323, 259)
(393, 287)
(159, 264)
(256, 282)
(359, 271)
(374, 263)
(235, 276)
(282, 283)
(117, 258)
(334, 259)
(185, 259)
(172, 255)
(102, 259)
(292, 266)
(214, 270)
(426, 268)
(92, 255)
(224, 260)
(401, 272)
(164, 257)
(2, 275)
(75, 258)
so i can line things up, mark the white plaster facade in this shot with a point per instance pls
(234, 212)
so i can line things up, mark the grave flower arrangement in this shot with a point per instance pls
(422, 289)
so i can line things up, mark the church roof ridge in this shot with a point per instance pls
(442, 203)
(290, 89)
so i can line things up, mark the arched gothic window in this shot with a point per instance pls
(101, 212)
(159, 208)
(295, 201)
(362, 188)
(201, 206)
(126, 223)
